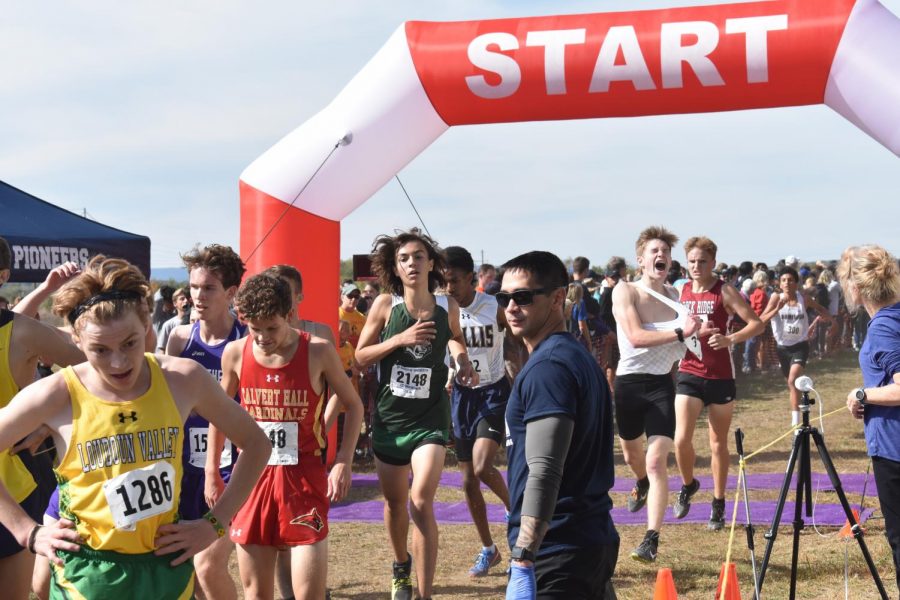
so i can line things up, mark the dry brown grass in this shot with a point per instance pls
(360, 556)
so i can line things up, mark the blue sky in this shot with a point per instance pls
(145, 113)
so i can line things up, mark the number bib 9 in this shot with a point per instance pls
(198, 438)
(410, 382)
(140, 494)
(285, 438)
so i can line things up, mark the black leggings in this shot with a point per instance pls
(887, 479)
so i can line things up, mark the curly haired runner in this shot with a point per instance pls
(292, 276)
(408, 331)
(117, 421)
(282, 375)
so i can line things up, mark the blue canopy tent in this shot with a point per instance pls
(43, 236)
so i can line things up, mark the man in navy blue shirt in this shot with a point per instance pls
(559, 445)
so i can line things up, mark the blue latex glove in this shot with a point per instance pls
(521, 584)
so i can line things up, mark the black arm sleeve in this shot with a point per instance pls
(546, 446)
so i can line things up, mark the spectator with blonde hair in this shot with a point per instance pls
(870, 277)
(576, 315)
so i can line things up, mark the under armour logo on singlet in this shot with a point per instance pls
(132, 416)
(271, 378)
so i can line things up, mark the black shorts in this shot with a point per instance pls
(35, 507)
(645, 404)
(585, 573)
(490, 427)
(797, 354)
(711, 391)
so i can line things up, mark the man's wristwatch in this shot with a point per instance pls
(520, 553)
(680, 333)
(860, 395)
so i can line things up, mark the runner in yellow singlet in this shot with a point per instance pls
(117, 421)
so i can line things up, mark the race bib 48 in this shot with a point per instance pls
(285, 439)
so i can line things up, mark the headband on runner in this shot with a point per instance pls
(101, 297)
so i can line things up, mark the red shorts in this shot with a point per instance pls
(287, 507)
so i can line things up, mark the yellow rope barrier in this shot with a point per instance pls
(734, 512)
(789, 432)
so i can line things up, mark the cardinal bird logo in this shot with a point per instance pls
(312, 519)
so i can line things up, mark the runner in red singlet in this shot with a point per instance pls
(708, 381)
(282, 375)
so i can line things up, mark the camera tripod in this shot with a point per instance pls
(800, 451)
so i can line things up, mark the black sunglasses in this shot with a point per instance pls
(520, 297)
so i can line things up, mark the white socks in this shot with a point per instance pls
(795, 417)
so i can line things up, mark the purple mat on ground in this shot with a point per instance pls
(852, 482)
(457, 512)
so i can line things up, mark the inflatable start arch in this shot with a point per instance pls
(431, 76)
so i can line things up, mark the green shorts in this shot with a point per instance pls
(101, 574)
(397, 448)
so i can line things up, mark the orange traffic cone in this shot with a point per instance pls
(846, 530)
(665, 586)
(728, 579)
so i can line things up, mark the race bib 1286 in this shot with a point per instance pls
(140, 494)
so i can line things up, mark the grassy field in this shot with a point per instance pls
(360, 557)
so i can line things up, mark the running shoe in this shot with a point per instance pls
(717, 514)
(484, 561)
(638, 497)
(401, 584)
(647, 549)
(683, 502)
(745, 369)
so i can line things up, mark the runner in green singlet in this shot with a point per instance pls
(408, 331)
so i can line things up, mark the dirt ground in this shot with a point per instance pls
(359, 565)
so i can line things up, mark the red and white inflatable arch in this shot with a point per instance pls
(431, 76)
